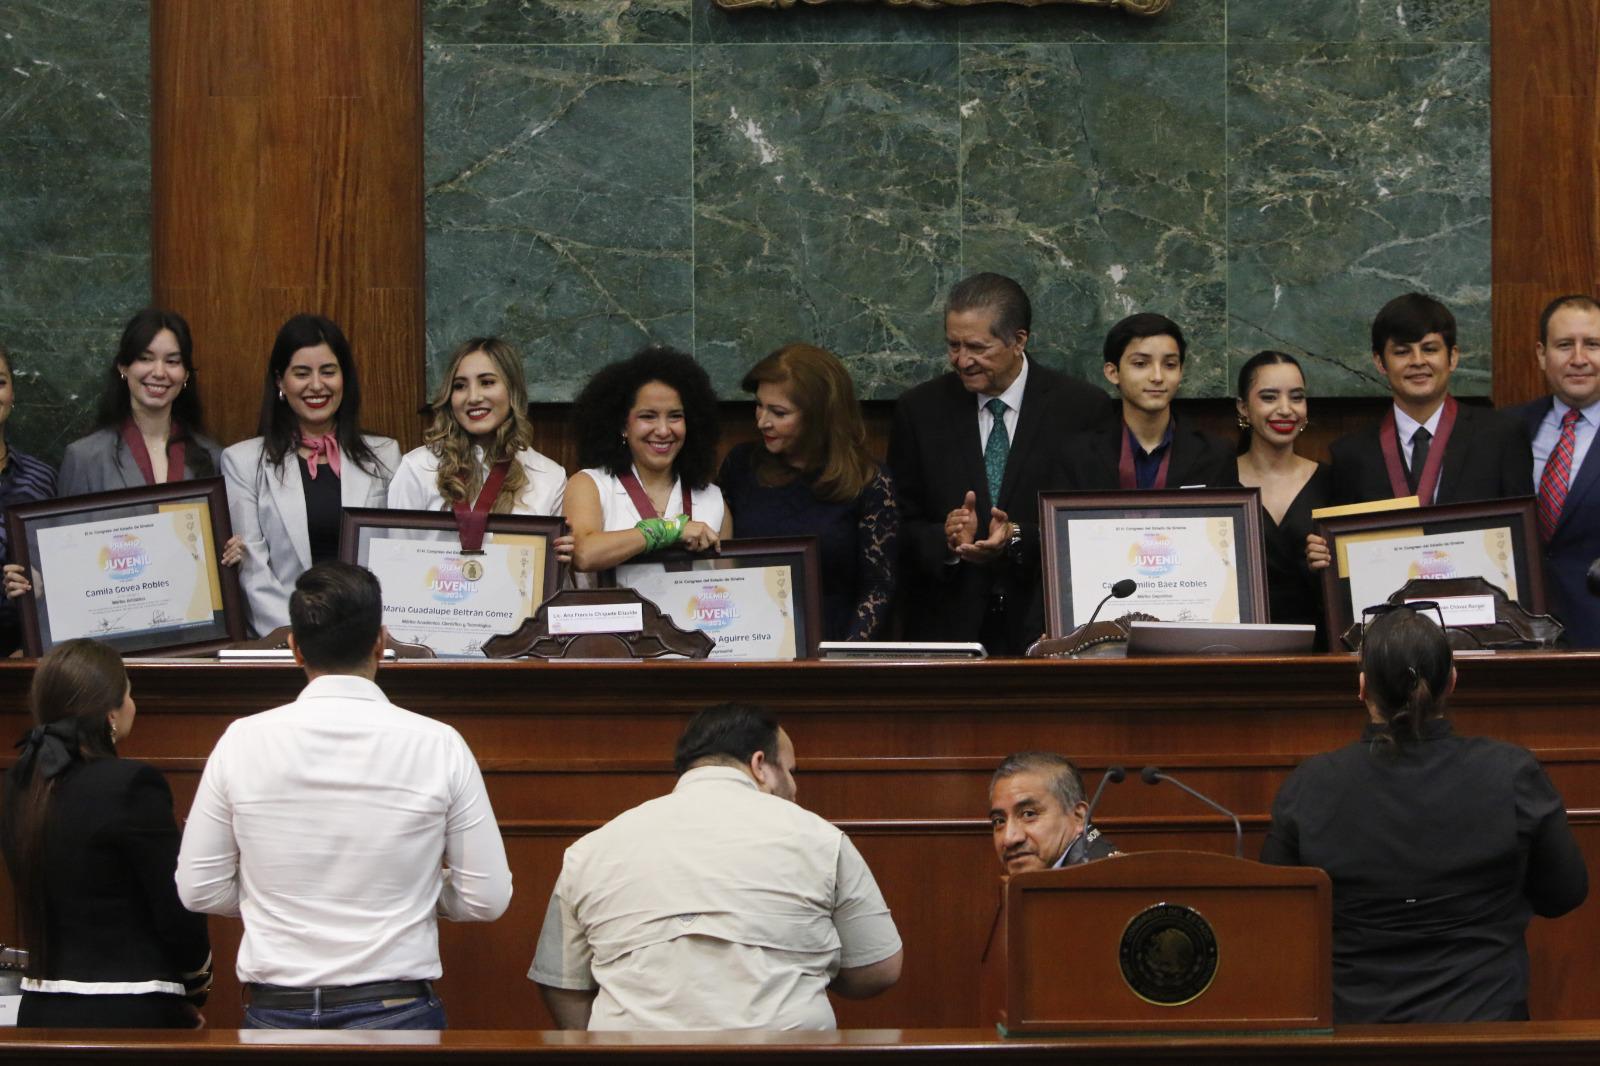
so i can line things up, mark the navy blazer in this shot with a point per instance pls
(1576, 542)
(937, 458)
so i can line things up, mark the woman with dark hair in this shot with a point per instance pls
(91, 845)
(647, 437)
(813, 475)
(148, 425)
(288, 488)
(1441, 848)
(1272, 415)
(23, 479)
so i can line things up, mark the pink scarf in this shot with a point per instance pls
(326, 448)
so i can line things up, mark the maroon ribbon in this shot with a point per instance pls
(641, 499)
(177, 451)
(472, 521)
(1389, 441)
(1125, 471)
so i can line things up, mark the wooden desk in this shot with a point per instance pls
(1497, 1044)
(900, 756)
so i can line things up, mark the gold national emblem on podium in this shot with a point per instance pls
(1169, 955)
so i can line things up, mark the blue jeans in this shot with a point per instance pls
(423, 1012)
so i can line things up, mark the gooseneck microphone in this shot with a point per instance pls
(1113, 776)
(1152, 774)
(1121, 591)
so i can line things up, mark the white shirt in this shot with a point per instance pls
(337, 826)
(415, 486)
(1549, 435)
(715, 907)
(1012, 398)
(1405, 428)
(618, 512)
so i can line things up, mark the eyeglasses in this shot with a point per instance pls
(1379, 609)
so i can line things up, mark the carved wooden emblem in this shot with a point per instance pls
(1133, 7)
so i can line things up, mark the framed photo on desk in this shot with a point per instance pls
(436, 594)
(138, 569)
(759, 598)
(1374, 555)
(1195, 555)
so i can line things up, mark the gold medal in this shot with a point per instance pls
(471, 569)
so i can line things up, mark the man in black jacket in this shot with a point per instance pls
(970, 451)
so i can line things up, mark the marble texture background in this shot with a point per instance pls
(75, 225)
(607, 172)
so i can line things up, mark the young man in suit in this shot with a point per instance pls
(1146, 448)
(970, 451)
(1566, 469)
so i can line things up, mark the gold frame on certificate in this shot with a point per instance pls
(1518, 517)
(1058, 510)
(359, 522)
(200, 525)
(799, 554)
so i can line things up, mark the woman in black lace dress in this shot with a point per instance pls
(812, 475)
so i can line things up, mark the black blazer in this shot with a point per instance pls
(937, 459)
(1487, 458)
(1089, 460)
(1576, 542)
(110, 852)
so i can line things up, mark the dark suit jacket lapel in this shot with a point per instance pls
(962, 412)
(1583, 482)
(1455, 452)
(1029, 422)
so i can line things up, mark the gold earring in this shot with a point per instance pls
(112, 722)
(1303, 426)
(1244, 423)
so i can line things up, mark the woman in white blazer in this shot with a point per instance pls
(287, 488)
(480, 426)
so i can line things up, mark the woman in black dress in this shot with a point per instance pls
(1272, 415)
(1441, 848)
(813, 475)
(91, 845)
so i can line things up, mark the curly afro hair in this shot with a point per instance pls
(601, 411)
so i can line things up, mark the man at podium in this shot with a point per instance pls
(1039, 816)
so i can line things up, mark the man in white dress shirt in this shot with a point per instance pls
(322, 824)
(723, 905)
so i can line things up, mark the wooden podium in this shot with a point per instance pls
(1163, 941)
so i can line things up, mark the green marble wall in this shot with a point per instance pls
(606, 172)
(74, 202)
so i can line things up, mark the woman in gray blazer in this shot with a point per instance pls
(288, 487)
(148, 426)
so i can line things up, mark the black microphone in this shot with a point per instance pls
(1113, 776)
(1594, 578)
(1121, 591)
(1151, 774)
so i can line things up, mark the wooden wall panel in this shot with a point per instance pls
(1546, 187)
(288, 177)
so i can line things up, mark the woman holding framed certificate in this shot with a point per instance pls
(478, 454)
(288, 487)
(648, 441)
(813, 475)
(149, 429)
(1272, 414)
(23, 479)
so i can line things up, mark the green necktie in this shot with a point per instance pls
(996, 449)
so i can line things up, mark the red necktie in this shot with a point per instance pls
(1557, 476)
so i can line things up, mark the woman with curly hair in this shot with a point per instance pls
(648, 441)
(480, 444)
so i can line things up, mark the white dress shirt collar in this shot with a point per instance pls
(1012, 397)
(705, 775)
(343, 687)
(1407, 426)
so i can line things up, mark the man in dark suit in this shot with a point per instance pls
(1146, 448)
(1566, 468)
(1427, 445)
(970, 452)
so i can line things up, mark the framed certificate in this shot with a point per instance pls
(1195, 555)
(1374, 555)
(759, 598)
(136, 568)
(438, 595)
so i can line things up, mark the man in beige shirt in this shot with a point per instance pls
(722, 905)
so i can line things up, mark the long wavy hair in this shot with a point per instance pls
(81, 681)
(278, 425)
(460, 475)
(116, 406)
(600, 413)
(832, 446)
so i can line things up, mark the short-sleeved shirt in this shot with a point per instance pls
(717, 906)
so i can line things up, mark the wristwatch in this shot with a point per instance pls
(1014, 543)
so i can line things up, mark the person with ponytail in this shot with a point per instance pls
(91, 845)
(1441, 848)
